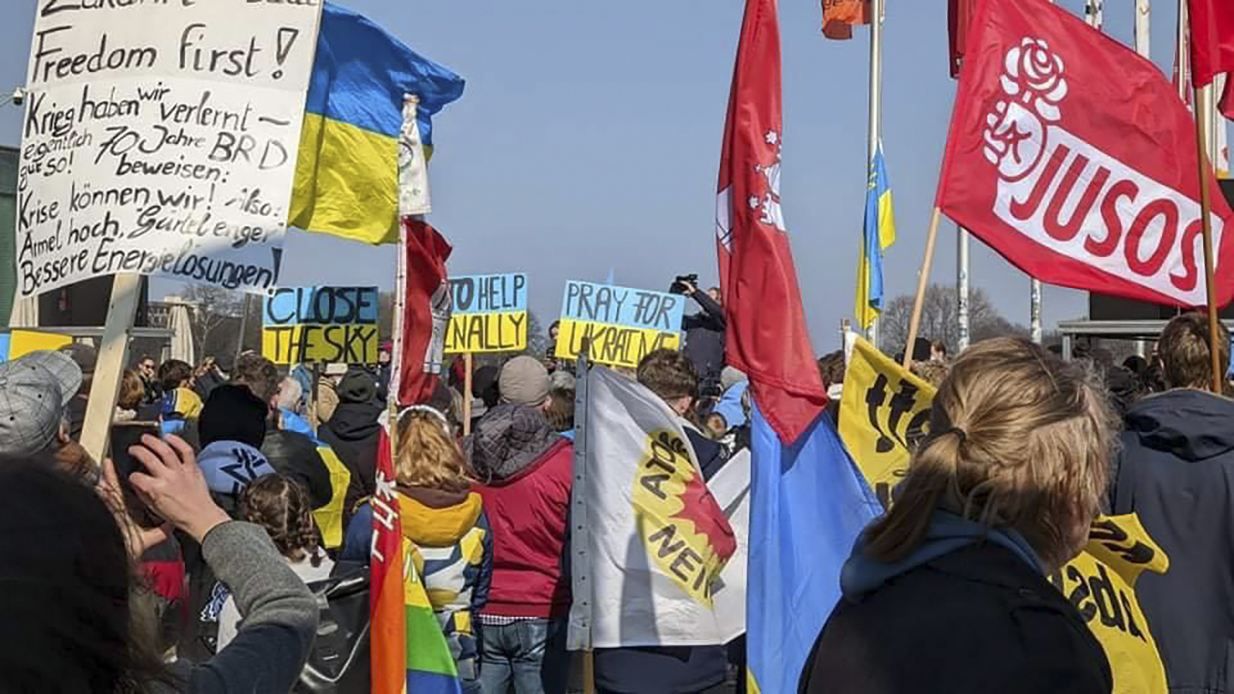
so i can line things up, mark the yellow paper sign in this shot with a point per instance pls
(23, 342)
(320, 344)
(884, 410)
(488, 314)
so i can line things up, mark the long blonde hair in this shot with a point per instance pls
(1018, 439)
(428, 456)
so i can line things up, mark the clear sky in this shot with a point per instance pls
(589, 135)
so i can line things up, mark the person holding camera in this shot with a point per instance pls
(704, 333)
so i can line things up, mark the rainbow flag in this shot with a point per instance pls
(408, 651)
(347, 173)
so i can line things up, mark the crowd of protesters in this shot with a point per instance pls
(195, 558)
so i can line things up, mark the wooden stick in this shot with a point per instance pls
(467, 364)
(109, 371)
(923, 279)
(1202, 98)
(589, 672)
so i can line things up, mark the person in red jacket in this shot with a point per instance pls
(524, 473)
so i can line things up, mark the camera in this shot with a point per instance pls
(679, 285)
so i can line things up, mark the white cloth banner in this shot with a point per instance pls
(656, 538)
(731, 488)
(161, 139)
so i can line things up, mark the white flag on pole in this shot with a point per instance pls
(656, 538)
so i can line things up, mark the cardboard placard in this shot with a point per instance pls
(621, 324)
(489, 314)
(161, 139)
(320, 325)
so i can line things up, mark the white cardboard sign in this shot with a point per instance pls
(160, 138)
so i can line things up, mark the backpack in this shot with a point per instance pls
(339, 660)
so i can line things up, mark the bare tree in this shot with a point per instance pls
(215, 318)
(940, 319)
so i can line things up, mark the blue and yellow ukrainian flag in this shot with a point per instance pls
(879, 234)
(347, 174)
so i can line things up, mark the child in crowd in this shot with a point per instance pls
(281, 506)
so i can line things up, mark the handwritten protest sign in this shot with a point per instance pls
(320, 325)
(489, 314)
(621, 324)
(884, 413)
(161, 138)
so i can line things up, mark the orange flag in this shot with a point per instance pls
(839, 16)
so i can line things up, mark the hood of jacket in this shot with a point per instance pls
(1193, 425)
(435, 518)
(356, 421)
(947, 533)
(507, 440)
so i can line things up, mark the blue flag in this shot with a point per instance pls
(809, 504)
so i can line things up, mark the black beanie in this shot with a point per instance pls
(233, 413)
(357, 387)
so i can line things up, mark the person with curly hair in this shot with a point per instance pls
(281, 506)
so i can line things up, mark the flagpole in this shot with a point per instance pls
(961, 283)
(1143, 21)
(1184, 63)
(923, 278)
(1203, 102)
(876, 114)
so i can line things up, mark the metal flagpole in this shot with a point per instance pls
(961, 284)
(1183, 57)
(876, 113)
(1203, 102)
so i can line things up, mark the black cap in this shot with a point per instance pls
(233, 413)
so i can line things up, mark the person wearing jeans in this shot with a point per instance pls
(523, 470)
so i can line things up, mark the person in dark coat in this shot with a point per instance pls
(705, 337)
(290, 453)
(1176, 472)
(948, 592)
(353, 432)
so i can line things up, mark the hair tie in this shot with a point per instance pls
(960, 433)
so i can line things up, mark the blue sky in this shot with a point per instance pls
(589, 134)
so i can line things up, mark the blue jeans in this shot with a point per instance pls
(526, 657)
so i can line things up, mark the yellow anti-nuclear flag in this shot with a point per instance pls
(885, 411)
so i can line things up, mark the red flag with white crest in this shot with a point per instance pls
(1073, 157)
(767, 335)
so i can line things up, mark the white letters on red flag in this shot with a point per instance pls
(767, 336)
(1073, 157)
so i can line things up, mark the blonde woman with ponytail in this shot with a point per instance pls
(947, 592)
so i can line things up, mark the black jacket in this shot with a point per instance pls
(296, 456)
(1176, 472)
(354, 434)
(978, 620)
(705, 338)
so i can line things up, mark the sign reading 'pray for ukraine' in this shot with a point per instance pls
(619, 324)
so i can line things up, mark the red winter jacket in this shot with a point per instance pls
(528, 512)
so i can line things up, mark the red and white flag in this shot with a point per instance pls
(1073, 157)
(426, 312)
(767, 335)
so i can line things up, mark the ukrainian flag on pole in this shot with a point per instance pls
(347, 174)
(879, 234)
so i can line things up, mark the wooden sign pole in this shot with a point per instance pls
(467, 396)
(109, 371)
(923, 279)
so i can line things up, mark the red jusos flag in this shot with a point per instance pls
(767, 336)
(1073, 157)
